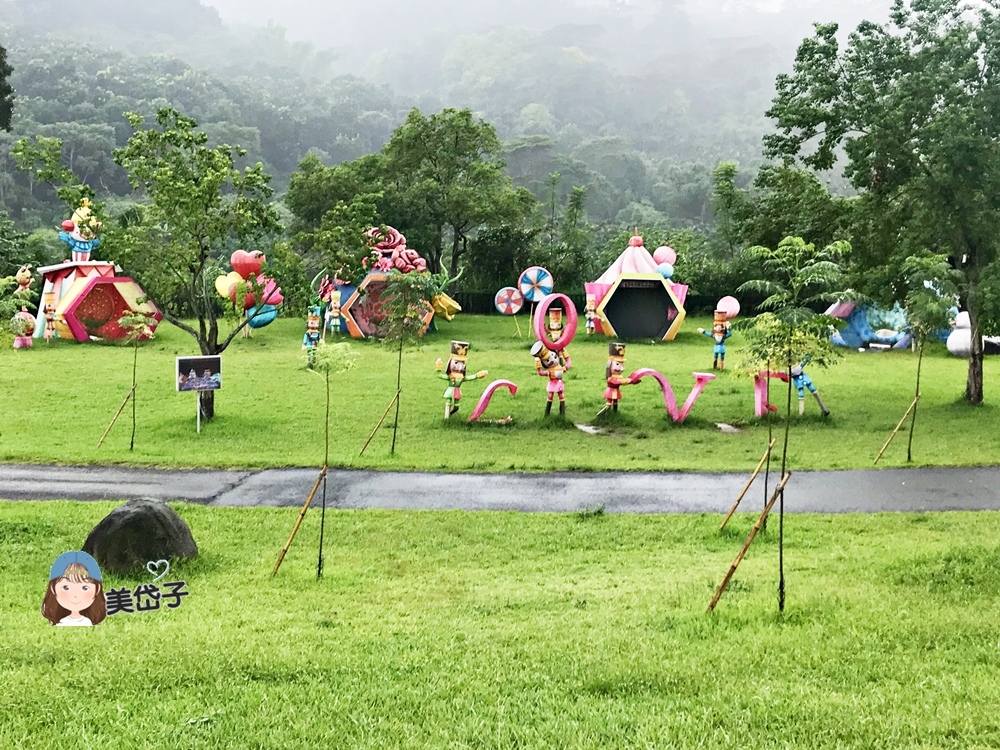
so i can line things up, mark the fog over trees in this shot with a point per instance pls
(612, 114)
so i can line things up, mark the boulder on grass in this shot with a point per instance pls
(138, 532)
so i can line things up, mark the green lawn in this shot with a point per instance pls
(504, 630)
(59, 398)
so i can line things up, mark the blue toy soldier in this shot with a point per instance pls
(312, 334)
(801, 381)
(719, 333)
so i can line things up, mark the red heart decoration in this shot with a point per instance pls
(247, 264)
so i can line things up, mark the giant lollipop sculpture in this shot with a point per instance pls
(535, 284)
(509, 301)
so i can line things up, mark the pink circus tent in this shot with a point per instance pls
(634, 259)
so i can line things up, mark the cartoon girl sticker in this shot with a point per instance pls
(75, 595)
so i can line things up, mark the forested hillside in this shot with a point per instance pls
(636, 104)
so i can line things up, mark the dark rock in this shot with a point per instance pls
(142, 530)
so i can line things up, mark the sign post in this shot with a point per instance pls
(199, 374)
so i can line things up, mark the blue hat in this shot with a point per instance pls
(68, 558)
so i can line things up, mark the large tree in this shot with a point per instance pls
(914, 106)
(198, 206)
(446, 169)
(783, 202)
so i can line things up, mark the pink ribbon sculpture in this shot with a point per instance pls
(701, 379)
(761, 406)
(484, 400)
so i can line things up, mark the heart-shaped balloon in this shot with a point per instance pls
(258, 317)
(272, 292)
(232, 279)
(247, 264)
(222, 285)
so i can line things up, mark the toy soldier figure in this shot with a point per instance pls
(553, 365)
(454, 373)
(801, 381)
(720, 332)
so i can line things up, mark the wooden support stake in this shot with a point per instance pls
(753, 533)
(117, 414)
(380, 421)
(298, 522)
(747, 485)
(897, 429)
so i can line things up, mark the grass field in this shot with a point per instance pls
(60, 397)
(503, 630)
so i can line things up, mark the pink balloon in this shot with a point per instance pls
(665, 254)
(730, 306)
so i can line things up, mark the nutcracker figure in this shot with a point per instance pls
(613, 373)
(312, 334)
(719, 333)
(553, 365)
(454, 373)
(590, 312)
(50, 321)
(801, 381)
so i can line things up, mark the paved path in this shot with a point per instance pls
(808, 491)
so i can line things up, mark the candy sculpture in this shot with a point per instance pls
(535, 283)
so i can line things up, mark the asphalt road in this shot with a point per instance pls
(807, 492)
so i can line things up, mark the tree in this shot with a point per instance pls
(931, 291)
(783, 202)
(340, 243)
(6, 92)
(447, 169)
(407, 299)
(565, 253)
(13, 250)
(914, 106)
(797, 276)
(139, 327)
(326, 359)
(198, 205)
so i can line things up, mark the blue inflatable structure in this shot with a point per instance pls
(858, 331)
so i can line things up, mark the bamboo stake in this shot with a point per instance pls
(753, 533)
(117, 414)
(749, 482)
(298, 521)
(380, 422)
(897, 429)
